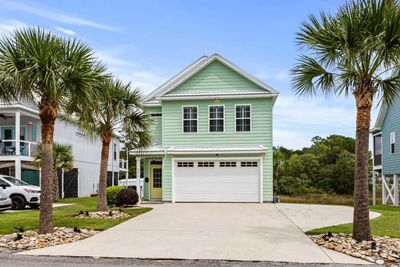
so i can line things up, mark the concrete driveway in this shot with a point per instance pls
(248, 232)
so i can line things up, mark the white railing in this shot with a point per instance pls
(123, 164)
(26, 148)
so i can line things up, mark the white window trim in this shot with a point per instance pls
(392, 135)
(251, 118)
(197, 118)
(210, 118)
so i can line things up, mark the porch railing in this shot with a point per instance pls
(123, 164)
(26, 148)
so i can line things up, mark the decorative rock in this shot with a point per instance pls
(32, 240)
(103, 215)
(339, 248)
(382, 250)
(381, 262)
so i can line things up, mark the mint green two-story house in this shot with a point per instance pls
(212, 136)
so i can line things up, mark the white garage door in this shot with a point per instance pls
(217, 181)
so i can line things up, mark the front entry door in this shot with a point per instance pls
(155, 181)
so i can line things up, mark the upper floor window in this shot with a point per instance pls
(216, 116)
(243, 118)
(392, 142)
(189, 119)
(115, 151)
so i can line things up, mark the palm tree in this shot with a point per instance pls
(117, 108)
(62, 159)
(39, 66)
(355, 51)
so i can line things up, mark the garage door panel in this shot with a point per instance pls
(216, 184)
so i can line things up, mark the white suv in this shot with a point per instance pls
(21, 193)
(5, 202)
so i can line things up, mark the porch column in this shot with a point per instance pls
(18, 168)
(17, 132)
(396, 189)
(374, 188)
(383, 189)
(138, 189)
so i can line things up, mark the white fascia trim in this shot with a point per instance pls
(19, 106)
(169, 82)
(146, 153)
(152, 104)
(185, 75)
(215, 152)
(381, 116)
(245, 74)
(216, 96)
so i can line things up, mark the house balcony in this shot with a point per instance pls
(19, 133)
(26, 148)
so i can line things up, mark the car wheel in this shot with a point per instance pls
(34, 206)
(18, 203)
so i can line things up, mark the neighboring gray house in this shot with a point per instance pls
(19, 138)
(386, 154)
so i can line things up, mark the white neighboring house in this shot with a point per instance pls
(20, 135)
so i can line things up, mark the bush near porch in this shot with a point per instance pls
(64, 216)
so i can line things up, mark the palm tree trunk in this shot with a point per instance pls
(56, 194)
(361, 227)
(48, 115)
(106, 140)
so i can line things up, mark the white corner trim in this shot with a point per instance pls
(173, 181)
(261, 180)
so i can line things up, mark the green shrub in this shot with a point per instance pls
(112, 194)
(126, 196)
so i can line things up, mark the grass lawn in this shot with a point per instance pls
(324, 199)
(385, 225)
(64, 216)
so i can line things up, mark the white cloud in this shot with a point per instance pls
(53, 14)
(9, 26)
(297, 120)
(65, 31)
(128, 71)
(291, 139)
(279, 75)
(313, 112)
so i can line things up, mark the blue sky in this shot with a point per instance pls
(148, 41)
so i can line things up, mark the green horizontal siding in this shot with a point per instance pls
(156, 129)
(391, 123)
(261, 132)
(216, 77)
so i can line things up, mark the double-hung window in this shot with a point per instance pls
(243, 118)
(189, 119)
(216, 117)
(392, 142)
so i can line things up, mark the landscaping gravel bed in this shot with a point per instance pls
(382, 250)
(31, 239)
(112, 214)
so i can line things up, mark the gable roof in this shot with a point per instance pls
(154, 97)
